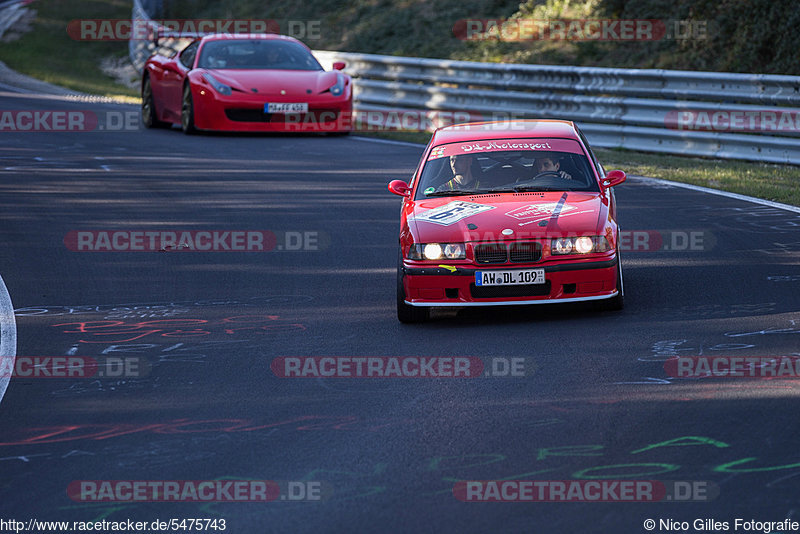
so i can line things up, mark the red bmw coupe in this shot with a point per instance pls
(244, 83)
(507, 213)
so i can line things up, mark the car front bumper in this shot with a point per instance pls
(567, 281)
(245, 113)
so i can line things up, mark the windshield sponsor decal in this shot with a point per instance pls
(501, 145)
(478, 147)
(452, 212)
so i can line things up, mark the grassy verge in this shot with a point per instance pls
(48, 53)
(780, 183)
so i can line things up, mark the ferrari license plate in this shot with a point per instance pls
(509, 278)
(286, 107)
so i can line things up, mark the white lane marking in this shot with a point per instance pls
(737, 196)
(8, 334)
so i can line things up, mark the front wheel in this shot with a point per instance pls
(187, 112)
(405, 312)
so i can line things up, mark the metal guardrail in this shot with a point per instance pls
(141, 49)
(10, 12)
(616, 108)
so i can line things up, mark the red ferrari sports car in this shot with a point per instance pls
(246, 83)
(508, 213)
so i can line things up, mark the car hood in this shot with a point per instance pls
(527, 215)
(293, 83)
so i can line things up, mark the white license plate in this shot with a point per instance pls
(283, 107)
(509, 278)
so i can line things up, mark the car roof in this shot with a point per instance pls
(248, 36)
(511, 129)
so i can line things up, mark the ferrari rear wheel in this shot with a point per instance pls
(187, 112)
(405, 312)
(149, 117)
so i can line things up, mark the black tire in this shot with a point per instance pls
(149, 116)
(187, 112)
(405, 312)
(617, 302)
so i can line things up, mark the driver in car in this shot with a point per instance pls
(549, 163)
(463, 179)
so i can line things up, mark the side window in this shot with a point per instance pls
(187, 56)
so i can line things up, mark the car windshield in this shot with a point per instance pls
(498, 166)
(256, 54)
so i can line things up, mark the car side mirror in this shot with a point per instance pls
(613, 178)
(400, 188)
(339, 65)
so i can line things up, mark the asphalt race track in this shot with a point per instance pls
(705, 275)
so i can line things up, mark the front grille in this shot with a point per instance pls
(491, 253)
(247, 115)
(314, 116)
(525, 252)
(503, 253)
(529, 290)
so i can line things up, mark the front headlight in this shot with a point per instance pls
(561, 246)
(584, 245)
(437, 251)
(579, 245)
(220, 87)
(338, 88)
